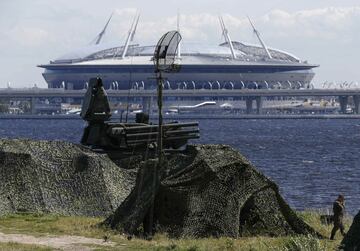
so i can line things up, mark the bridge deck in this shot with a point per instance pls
(38, 92)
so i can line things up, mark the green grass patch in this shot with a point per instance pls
(43, 224)
(10, 246)
(312, 217)
(47, 224)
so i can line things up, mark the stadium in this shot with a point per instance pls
(230, 65)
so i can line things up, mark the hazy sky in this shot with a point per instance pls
(324, 32)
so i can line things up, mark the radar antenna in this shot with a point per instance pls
(164, 61)
(257, 33)
(98, 38)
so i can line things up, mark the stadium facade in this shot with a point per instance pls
(230, 65)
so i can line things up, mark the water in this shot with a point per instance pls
(312, 161)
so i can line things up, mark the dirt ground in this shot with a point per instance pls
(65, 242)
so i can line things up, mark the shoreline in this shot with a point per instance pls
(199, 116)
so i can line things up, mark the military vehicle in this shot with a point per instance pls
(103, 134)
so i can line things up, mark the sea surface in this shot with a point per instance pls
(311, 160)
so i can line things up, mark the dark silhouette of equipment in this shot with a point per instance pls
(107, 135)
(101, 133)
(164, 61)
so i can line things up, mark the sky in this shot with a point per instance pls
(324, 32)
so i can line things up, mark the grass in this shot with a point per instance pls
(11, 246)
(312, 217)
(45, 224)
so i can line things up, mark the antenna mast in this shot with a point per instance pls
(260, 40)
(164, 61)
(227, 37)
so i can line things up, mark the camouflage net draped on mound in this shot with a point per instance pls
(207, 190)
(210, 190)
(351, 241)
(59, 177)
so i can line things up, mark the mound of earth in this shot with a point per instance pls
(205, 190)
(351, 241)
(59, 177)
(208, 190)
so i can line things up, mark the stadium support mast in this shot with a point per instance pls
(131, 34)
(260, 40)
(101, 34)
(227, 37)
(178, 30)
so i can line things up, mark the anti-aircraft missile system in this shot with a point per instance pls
(102, 133)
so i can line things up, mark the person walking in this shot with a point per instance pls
(339, 210)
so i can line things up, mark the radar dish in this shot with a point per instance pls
(164, 61)
(166, 51)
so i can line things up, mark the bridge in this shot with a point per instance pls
(249, 95)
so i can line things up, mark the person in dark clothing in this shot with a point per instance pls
(339, 210)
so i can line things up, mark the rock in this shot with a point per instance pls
(351, 241)
(59, 177)
(209, 190)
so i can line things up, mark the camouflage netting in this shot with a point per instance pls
(351, 241)
(59, 177)
(209, 190)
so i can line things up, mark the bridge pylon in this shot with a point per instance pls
(249, 104)
(343, 100)
(356, 99)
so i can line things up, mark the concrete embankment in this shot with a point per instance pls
(200, 116)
